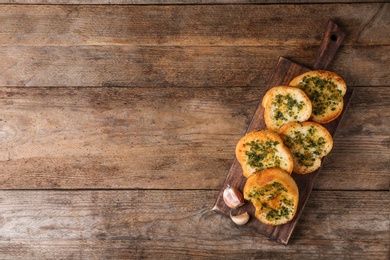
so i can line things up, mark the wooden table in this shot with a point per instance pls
(118, 125)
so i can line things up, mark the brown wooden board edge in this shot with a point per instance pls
(284, 72)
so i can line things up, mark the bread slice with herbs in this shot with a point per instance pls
(308, 143)
(325, 90)
(263, 149)
(285, 104)
(274, 194)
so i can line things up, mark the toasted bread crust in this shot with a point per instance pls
(285, 104)
(263, 149)
(326, 90)
(274, 194)
(308, 143)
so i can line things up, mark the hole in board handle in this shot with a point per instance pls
(333, 37)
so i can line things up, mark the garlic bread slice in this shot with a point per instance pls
(325, 90)
(285, 104)
(308, 143)
(274, 194)
(263, 149)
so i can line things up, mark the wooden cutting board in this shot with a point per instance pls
(284, 72)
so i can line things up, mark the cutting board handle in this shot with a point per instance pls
(330, 43)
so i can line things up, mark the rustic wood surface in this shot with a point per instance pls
(285, 71)
(133, 224)
(118, 125)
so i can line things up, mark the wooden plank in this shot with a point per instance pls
(331, 41)
(190, 25)
(145, 137)
(182, 67)
(145, 223)
(177, 2)
(113, 137)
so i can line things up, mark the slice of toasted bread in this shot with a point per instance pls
(308, 143)
(285, 104)
(263, 149)
(325, 90)
(274, 194)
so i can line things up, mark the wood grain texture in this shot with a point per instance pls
(126, 66)
(121, 121)
(330, 44)
(145, 223)
(147, 137)
(176, 2)
(189, 25)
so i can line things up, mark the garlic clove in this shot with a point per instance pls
(241, 219)
(233, 197)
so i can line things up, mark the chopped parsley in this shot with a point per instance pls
(262, 155)
(307, 159)
(305, 147)
(322, 92)
(274, 191)
(288, 105)
(279, 116)
(277, 214)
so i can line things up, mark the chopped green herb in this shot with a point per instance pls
(262, 155)
(311, 130)
(269, 192)
(322, 92)
(279, 115)
(305, 147)
(305, 158)
(288, 104)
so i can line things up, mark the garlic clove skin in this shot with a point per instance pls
(233, 197)
(241, 219)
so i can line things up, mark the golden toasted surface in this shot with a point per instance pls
(274, 194)
(263, 149)
(325, 90)
(308, 143)
(285, 104)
